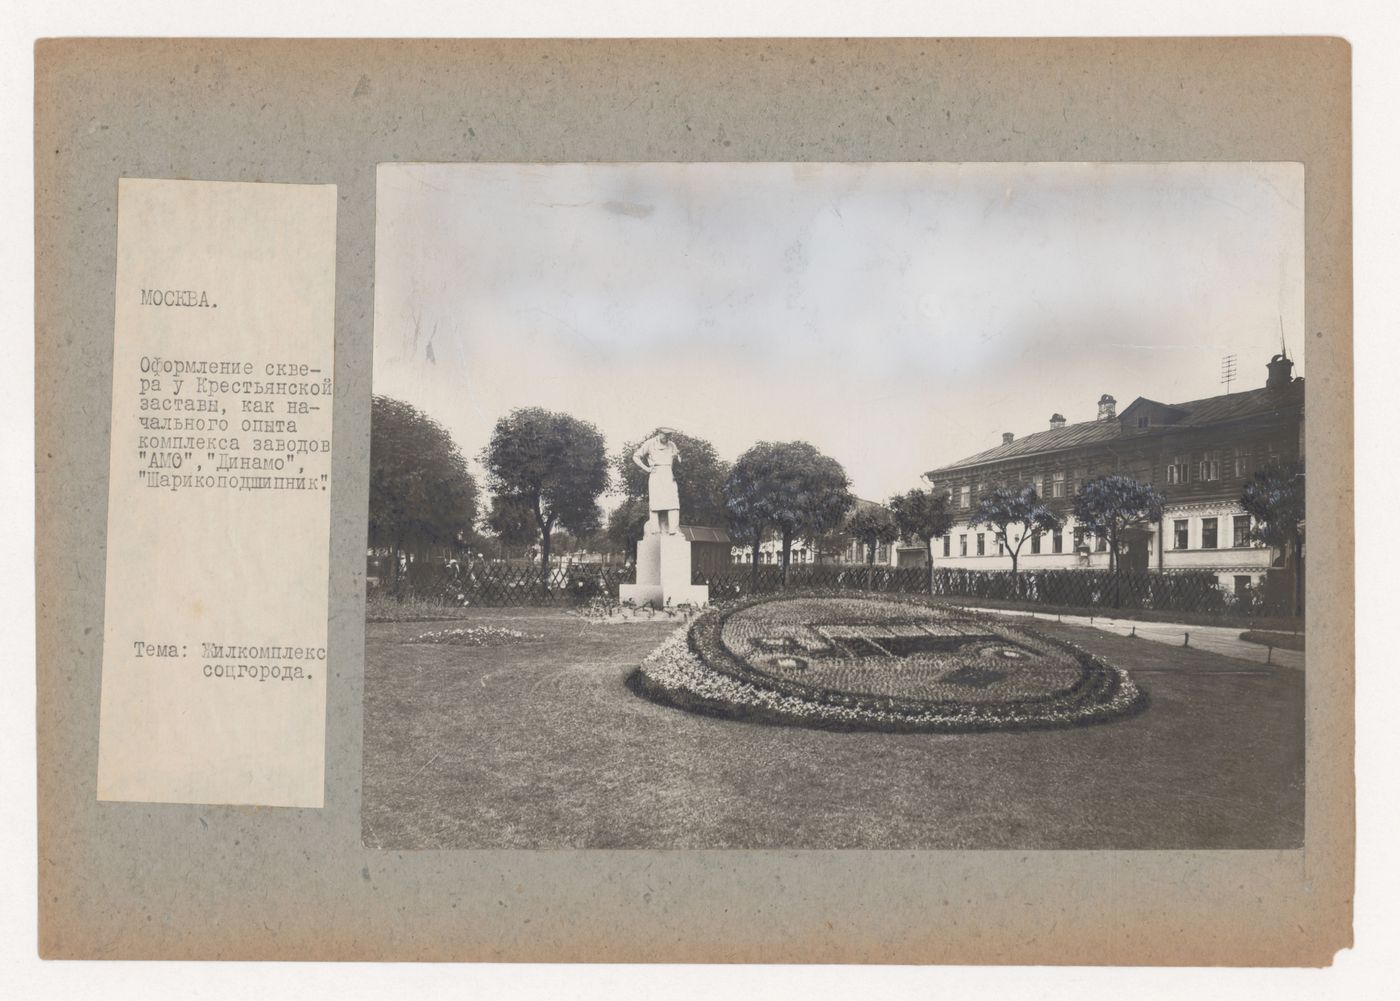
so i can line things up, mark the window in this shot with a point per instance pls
(1039, 483)
(965, 498)
(1208, 533)
(1241, 463)
(1057, 484)
(1057, 540)
(947, 545)
(962, 545)
(981, 543)
(1180, 535)
(1210, 467)
(1178, 471)
(1142, 421)
(1001, 548)
(1100, 544)
(1035, 543)
(1078, 539)
(1241, 530)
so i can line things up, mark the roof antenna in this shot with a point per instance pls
(1282, 344)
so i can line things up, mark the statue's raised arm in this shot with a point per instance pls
(655, 457)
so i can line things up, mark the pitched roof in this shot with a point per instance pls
(702, 533)
(1210, 410)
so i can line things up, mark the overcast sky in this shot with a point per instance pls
(897, 316)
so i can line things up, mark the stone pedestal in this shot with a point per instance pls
(663, 573)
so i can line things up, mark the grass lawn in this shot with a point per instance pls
(540, 745)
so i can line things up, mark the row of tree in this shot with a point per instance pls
(546, 472)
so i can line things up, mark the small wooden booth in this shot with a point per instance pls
(709, 550)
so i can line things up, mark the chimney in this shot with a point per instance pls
(1007, 437)
(1057, 421)
(1280, 372)
(1108, 407)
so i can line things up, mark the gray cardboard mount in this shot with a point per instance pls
(127, 880)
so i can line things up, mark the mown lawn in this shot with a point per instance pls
(540, 745)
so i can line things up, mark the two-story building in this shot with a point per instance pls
(836, 549)
(1198, 454)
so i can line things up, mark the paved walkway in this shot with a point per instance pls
(1224, 640)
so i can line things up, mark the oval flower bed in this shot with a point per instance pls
(896, 663)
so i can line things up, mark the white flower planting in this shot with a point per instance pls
(475, 636)
(677, 673)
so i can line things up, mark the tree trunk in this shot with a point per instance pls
(753, 567)
(929, 542)
(546, 529)
(870, 565)
(1113, 568)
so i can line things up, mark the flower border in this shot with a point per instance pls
(694, 671)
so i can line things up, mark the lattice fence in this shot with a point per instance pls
(501, 584)
(1196, 591)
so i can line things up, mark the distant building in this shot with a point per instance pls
(1198, 454)
(836, 549)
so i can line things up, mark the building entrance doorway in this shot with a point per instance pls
(1135, 556)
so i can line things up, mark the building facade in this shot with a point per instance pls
(1198, 454)
(836, 549)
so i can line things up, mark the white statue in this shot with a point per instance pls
(656, 456)
(663, 576)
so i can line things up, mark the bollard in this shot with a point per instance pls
(1134, 630)
(1187, 641)
(1271, 654)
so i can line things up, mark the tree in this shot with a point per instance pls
(1275, 499)
(512, 521)
(871, 526)
(700, 476)
(420, 490)
(550, 465)
(923, 515)
(787, 488)
(1006, 509)
(1109, 505)
(626, 524)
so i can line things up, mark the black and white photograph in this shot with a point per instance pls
(836, 506)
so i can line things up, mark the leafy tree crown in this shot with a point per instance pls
(420, 489)
(922, 514)
(1004, 507)
(1275, 498)
(787, 487)
(553, 463)
(1108, 504)
(872, 526)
